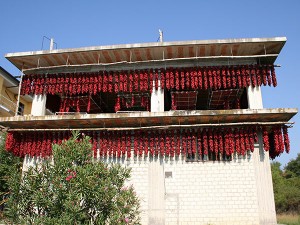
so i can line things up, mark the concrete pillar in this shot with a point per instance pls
(156, 192)
(157, 99)
(262, 168)
(38, 105)
(254, 98)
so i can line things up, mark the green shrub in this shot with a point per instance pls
(73, 189)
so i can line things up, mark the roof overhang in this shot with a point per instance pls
(150, 119)
(193, 53)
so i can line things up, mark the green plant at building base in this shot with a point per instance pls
(73, 188)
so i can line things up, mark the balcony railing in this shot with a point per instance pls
(7, 105)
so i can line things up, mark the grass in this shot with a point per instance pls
(288, 219)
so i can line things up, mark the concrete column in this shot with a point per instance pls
(157, 99)
(254, 98)
(262, 168)
(38, 105)
(156, 192)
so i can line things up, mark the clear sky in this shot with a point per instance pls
(75, 23)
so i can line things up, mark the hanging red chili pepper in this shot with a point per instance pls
(216, 142)
(244, 76)
(156, 79)
(239, 77)
(121, 84)
(214, 74)
(233, 77)
(189, 147)
(146, 144)
(264, 75)
(258, 75)
(177, 140)
(136, 143)
(136, 81)
(105, 82)
(162, 78)
(266, 139)
(221, 144)
(210, 77)
(151, 134)
(117, 105)
(253, 76)
(227, 142)
(131, 82)
(177, 80)
(251, 139)
(146, 85)
(269, 78)
(237, 141)
(168, 79)
(168, 143)
(200, 78)
(110, 82)
(172, 85)
(286, 138)
(205, 143)
(205, 78)
(128, 143)
(141, 142)
(192, 79)
(116, 82)
(248, 78)
(125, 83)
(151, 81)
(199, 144)
(223, 76)
(172, 146)
(247, 142)
(162, 144)
(182, 81)
(123, 143)
(273, 74)
(242, 142)
(196, 79)
(89, 104)
(184, 143)
(228, 78)
(187, 79)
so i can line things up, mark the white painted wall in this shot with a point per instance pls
(38, 105)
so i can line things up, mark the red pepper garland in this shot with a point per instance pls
(205, 142)
(128, 144)
(274, 80)
(168, 144)
(214, 73)
(162, 79)
(173, 146)
(286, 139)
(146, 144)
(189, 138)
(177, 80)
(136, 81)
(251, 140)
(237, 141)
(216, 143)
(221, 143)
(248, 78)
(200, 78)
(269, 78)
(156, 79)
(228, 78)
(266, 139)
(167, 80)
(199, 144)
(182, 83)
(223, 75)
(162, 144)
(210, 78)
(151, 144)
(239, 78)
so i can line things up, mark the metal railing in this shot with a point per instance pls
(7, 105)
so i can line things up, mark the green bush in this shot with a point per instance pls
(286, 184)
(73, 188)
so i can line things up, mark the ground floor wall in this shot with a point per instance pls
(212, 192)
(175, 191)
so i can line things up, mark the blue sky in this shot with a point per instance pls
(90, 23)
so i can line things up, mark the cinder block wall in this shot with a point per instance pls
(179, 192)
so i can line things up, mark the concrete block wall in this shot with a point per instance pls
(220, 193)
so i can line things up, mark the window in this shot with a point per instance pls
(21, 109)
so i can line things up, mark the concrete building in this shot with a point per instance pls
(186, 116)
(9, 87)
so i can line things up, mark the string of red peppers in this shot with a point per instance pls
(202, 142)
(128, 81)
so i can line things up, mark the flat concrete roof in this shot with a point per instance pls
(149, 119)
(266, 49)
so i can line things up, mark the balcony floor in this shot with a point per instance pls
(149, 119)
